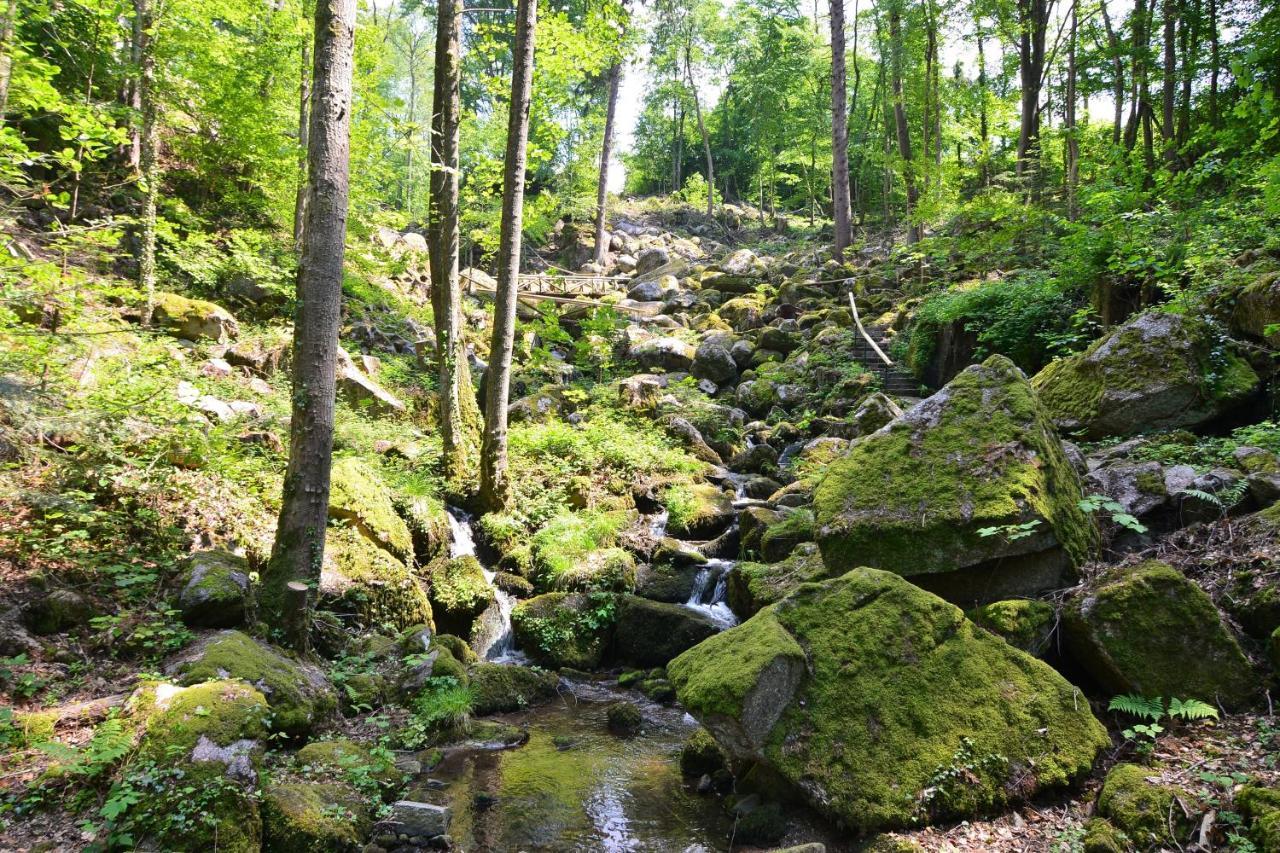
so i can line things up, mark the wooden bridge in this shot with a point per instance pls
(563, 288)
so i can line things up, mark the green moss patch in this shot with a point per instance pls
(1144, 810)
(562, 629)
(509, 687)
(361, 578)
(459, 593)
(1024, 624)
(358, 496)
(310, 817)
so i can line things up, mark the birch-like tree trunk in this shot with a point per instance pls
(149, 138)
(839, 132)
(606, 151)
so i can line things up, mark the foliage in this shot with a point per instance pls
(1095, 503)
(443, 703)
(1153, 711)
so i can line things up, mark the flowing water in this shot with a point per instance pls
(494, 639)
(709, 590)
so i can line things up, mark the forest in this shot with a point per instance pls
(686, 426)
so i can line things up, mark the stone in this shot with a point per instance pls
(650, 259)
(861, 691)
(666, 353)
(700, 511)
(1157, 371)
(713, 362)
(361, 578)
(360, 391)
(420, 820)
(216, 368)
(193, 319)
(757, 396)
(58, 610)
(651, 633)
(459, 593)
(500, 687)
(1022, 623)
(1144, 809)
(359, 497)
(302, 816)
(561, 629)
(646, 291)
(1147, 629)
(1257, 309)
(692, 439)
(874, 412)
(624, 718)
(214, 589)
(969, 494)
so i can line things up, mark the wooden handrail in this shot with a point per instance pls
(858, 321)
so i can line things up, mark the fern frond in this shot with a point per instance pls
(1138, 706)
(1192, 709)
(1207, 497)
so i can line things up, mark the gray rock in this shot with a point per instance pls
(215, 588)
(420, 820)
(872, 413)
(713, 362)
(646, 291)
(651, 259)
(666, 353)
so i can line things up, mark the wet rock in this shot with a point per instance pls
(459, 593)
(624, 718)
(651, 633)
(704, 512)
(559, 629)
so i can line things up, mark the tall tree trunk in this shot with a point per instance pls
(137, 38)
(984, 130)
(459, 413)
(606, 151)
(495, 487)
(1214, 63)
(1188, 45)
(144, 12)
(1073, 132)
(304, 128)
(1138, 73)
(6, 54)
(1033, 24)
(839, 133)
(298, 552)
(900, 123)
(702, 131)
(1169, 80)
(1117, 78)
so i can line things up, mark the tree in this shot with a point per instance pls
(298, 552)
(1033, 26)
(495, 487)
(459, 413)
(606, 151)
(839, 132)
(149, 140)
(304, 123)
(6, 54)
(900, 121)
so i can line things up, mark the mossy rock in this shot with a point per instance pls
(1021, 622)
(578, 551)
(459, 593)
(868, 691)
(361, 578)
(701, 755)
(650, 633)
(624, 718)
(565, 629)
(1141, 809)
(698, 511)
(1273, 649)
(345, 760)
(457, 647)
(771, 534)
(666, 582)
(1101, 836)
(1149, 630)
(358, 496)
(193, 319)
(658, 690)
(214, 589)
(1257, 308)
(761, 825)
(299, 694)
(751, 586)
(1261, 807)
(497, 688)
(1157, 371)
(314, 817)
(933, 495)
(59, 610)
(428, 523)
(606, 569)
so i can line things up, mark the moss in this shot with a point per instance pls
(508, 687)
(447, 665)
(632, 677)
(1023, 623)
(457, 647)
(751, 586)
(701, 755)
(624, 718)
(175, 720)
(914, 497)
(1101, 836)
(193, 319)
(650, 633)
(563, 629)
(1143, 810)
(298, 695)
(1261, 806)
(459, 593)
(358, 496)
(778, 540)
(311, 817)
(428, 524)
(697, 510)
(1273, 649)
(35, 727)
(362, 578)
(1147, 629)
(658, 690)
(577, 551)
(347, 760)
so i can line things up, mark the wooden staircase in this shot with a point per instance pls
(894, 381)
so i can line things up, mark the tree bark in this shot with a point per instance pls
(304, 127)
(900, 123)
(1033, 24)
(495, 487)
(144, 14)
(459, 413)
(606, 151)
(1073, 138)
(1169, 81)
(298, 553)
(1117, 80)
(1214, 63)
(984, 130)
(839, 133)
(702, 130)
(6, 54)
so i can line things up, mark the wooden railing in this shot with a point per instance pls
(853, 306)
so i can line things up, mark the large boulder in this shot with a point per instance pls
(193, 319)
(663, 353)
(651, 633)
(884, 706)
(358, 496)
(299, 694)
(1147, 629)
(214, 589)
(501, 687)
(698, 511)
(969, 493)
(305, 816)
(651, 259)
(358, 389)
(752, 586)
(1256, 312)
(361, 578)
(459, 594)
(565, 629)
(1157, 371)
(712, 361)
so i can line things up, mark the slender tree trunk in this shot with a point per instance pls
(1073, 138)
(459, 413)
(144, 11)
(1169, 81)
(1188, 44)
(304, 509)
(984, 130)
(1214, 63)
(137, 39)
(495, 487)
(304, 128)
(1033, 20)
(6, 54)
(702, 131)
(1138, 73)
(1117, 78)
(900, 124)
(839, 133)
(606, 151)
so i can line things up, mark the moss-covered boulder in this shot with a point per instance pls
(650, 633)
(1261, 807)
(314, 817)
(578, 551)
(497, 687)
(1149, 630)
(565, 629)
(193, 319)
(214, 589)
(1143, 808)
(346, 760)
(428, 523)
(667, 581)
(701, 755)
(1101, 836)
(751, 586)
(884, 706)
(1157, 371)
(299, 694)
(698, 510)
(1257, 308)
(1023, 623)
(459, 593)
(358, 497)
(206, 742)
(361, 578)
(969, 494)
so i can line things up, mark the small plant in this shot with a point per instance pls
(442, 704)
(1011, 532)
(1118, 515)
(1153, 710)
(21, 684)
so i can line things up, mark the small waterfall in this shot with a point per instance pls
(658, 524)
(494, 640)
(709, 593)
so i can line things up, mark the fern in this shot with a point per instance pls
(1207, 497)
(1192, 709)
(1138, 706)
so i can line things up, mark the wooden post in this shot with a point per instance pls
(296, 616)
